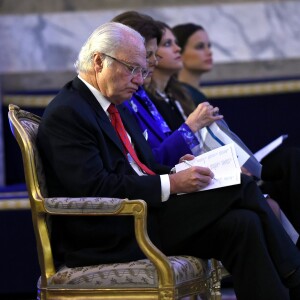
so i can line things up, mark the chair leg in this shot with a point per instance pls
(216, 288)
(215, 284)
(194, 297)
(216, 296)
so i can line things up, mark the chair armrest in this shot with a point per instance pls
(86, 205)
(92, 206)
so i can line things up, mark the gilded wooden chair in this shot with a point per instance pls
(158, 277)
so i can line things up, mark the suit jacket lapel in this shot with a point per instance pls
(102, 119)
(141, 145)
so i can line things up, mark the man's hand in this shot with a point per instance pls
(202, 116)
(190, 180)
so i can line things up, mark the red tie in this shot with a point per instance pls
(119, 127)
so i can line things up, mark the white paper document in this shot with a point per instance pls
(222, 161)
(210, 141)
(263, 152)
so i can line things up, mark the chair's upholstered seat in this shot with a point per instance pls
(139, 273)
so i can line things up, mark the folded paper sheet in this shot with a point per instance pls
(219, 134)
(222, 161)
(263, 152)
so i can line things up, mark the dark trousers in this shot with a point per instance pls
(281, 176)
(246, 237)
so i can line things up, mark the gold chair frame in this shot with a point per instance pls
(207, 286)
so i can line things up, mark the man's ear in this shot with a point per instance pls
(98, 62)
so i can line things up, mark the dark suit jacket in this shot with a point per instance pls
(83, 156)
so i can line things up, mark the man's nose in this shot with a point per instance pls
(138, 78)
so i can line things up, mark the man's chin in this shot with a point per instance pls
(124, 98)
(129, 95)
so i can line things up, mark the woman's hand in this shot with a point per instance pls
(202, 116)
(245, 171)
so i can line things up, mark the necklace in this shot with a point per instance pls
(163, 95)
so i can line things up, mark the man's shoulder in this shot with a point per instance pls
(68, 96)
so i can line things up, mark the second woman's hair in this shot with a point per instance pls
(174, 89)
(142, 23)
(184, 31)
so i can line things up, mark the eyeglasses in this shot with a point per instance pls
(151, 54)
(134, 70)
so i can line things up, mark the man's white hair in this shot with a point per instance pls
(107, 38)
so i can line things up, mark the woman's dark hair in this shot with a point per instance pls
(162, 26)
(174, 89)
(177, 91)
(142, 23)
(184, 31)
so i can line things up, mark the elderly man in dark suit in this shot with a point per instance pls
(87, 152)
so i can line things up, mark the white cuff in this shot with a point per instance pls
(165, 187)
